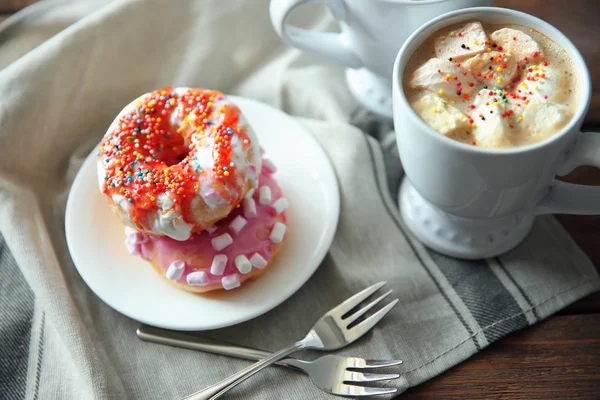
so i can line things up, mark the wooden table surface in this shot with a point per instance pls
(558, 358)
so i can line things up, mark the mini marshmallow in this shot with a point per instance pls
(133, 241)
(277, 233)
(269, 166)
(243, 264)
(250, 193)
(280, 205)
(132, 248)
(221, 241)
(197, 278)
(238, 224)
(136, 238)
(211, 229)
(264, 194)
(230, 281)
(218, 264)
(175, 270)
(249, 208)
(258, 261)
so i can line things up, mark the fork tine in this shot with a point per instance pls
(366, 308)
(366, 391)
(355, 300)
(368, 323)
(381, 363)
(352, 376)
(361, 363)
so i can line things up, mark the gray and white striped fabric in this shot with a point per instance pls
(59, 341)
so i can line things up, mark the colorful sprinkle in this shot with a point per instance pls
(144, 156)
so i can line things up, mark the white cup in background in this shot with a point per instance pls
(372, 32)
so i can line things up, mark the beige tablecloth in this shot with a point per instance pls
(67, 70)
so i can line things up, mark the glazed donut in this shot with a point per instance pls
(175, 161)
(223, 256)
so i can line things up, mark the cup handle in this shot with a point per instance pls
(569, 198)
(333, 45)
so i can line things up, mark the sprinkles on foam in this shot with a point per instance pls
(517, 92)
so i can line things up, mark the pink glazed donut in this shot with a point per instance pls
(224, 255)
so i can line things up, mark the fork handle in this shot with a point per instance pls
(187, 341)
(217, 390)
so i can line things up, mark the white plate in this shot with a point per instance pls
(131, 286)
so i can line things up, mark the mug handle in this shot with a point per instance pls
(333, 45)
(569, 198)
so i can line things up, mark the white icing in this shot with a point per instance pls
(165, 224)
(165, 202)
(122, 202)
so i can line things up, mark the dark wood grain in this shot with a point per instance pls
(587, 305)
(585, 229)
(12, 6)
(556, 359)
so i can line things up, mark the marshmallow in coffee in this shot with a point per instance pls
(492, 86)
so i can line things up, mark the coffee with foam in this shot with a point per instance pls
(492, 86)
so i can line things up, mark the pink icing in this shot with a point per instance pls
(253, 238)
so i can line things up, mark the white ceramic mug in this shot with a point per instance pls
(372, 31)
(489, 196)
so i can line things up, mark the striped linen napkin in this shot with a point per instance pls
(69, 67)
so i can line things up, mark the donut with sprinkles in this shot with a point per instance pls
(178, 160)
(237, 248)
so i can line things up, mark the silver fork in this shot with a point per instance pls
(331, 332)
(337, 375)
